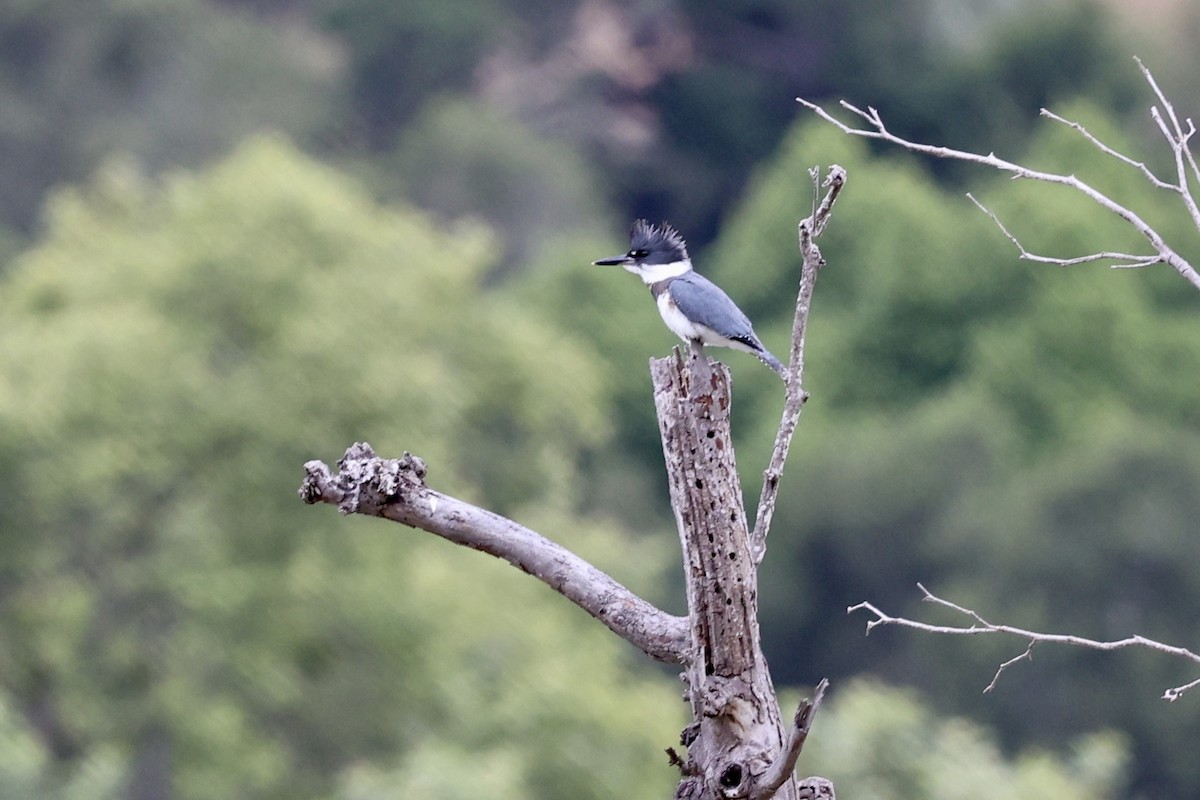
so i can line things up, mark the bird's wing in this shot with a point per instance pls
(703, 302)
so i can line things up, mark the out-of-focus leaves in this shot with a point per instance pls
(467, 160)
(172, 353)
(881, 743)
(173, 82)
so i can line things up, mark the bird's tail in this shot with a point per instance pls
(772, 362)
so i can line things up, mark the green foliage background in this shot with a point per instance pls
(278, 227)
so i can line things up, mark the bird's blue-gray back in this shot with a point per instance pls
(704, 302)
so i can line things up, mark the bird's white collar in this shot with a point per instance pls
(653, 273)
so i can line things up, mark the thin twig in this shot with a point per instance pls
(981, 626)
(1162, 98)
(1108, 151)
(785, 763)
(1125, 260)
(1178, 139)
(1026, 656)
(1174, 694)
(1176, 135)
(809, 229)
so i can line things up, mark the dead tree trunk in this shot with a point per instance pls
(737, 743)
(736, 730)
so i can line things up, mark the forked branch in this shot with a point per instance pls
(1121, 260)
(980, 626)
(1177, 134)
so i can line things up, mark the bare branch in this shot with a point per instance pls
(981, 626)
(1026, 656)
(871, 116)
(1174, 694)
(1108, 151)
(395, 489)
(785, 763)
(1178, 139)
(1124, 260)
(809, 229)
(1181, 136)
(1177, 136)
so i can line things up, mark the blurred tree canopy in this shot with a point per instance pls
(171, 354)
(886, 744)
(671, 103)
(173, 82)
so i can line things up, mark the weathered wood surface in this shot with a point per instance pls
(737, 729)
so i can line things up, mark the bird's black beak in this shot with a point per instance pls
(614, 261)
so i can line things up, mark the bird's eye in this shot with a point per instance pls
(638, 253)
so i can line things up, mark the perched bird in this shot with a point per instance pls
(694, 308)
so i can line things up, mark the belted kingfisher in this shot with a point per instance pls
(694, 308)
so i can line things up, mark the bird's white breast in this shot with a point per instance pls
(680, 325)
